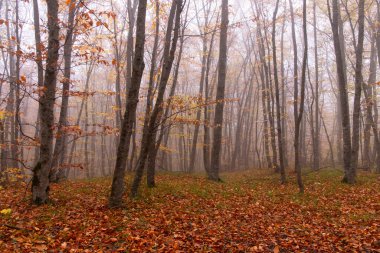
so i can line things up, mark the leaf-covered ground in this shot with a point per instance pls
(249, 212)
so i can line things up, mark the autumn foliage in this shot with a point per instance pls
(249, 212)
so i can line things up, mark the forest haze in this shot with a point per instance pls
(270, 100)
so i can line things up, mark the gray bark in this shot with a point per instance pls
(40, 182)
(218, 118)
(118, 185)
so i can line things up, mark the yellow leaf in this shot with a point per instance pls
(276, 249)
(6, 211)
(2, 115)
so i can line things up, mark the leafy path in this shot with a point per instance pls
(250, 212)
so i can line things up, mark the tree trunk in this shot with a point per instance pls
(283, 101)
(40, 70)
(40, 182)
(118, 187)
(56, 173)
(118, 110)
(277, 92)
(218, 118)
(206, 113)
(368, 106)
(168, 58)
(149, 99)
(316, 137)
(343, 95)
(358, 91)
(299, 114)
(198, 116)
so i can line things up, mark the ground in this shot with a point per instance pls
(249, 212)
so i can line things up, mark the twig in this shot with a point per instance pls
(14, 227)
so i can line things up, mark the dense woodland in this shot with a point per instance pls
(127, 95)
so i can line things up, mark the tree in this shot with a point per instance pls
(277, 92)
(40, 69)
(219, 107)
(201, 86)
(118, 187)
(299, 114)
(60, 147)
(316, 126)
(40, 181)
(149, 97)
(149, 137)
(334, 15)
(358, 90)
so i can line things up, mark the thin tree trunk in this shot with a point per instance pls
(198, 116)
(152, 156)
(10, 107)
(86, 89)
(277, 92)
(57, 173)
(117, 189)
(206, 113)
(299, 114)
(342, 84)
(168, 58)
(283, 101)
(369, 105)
(118, 74)
(218, 118)
(40, 70)
(149, 98)
(132, 7)
(358, 90)
(316, 137)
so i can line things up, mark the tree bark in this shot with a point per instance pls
(40, 70)
(206, 113)
(168, 58)
(57, 173)
(40, 181)
(277, 94)
(198, 116)
(358, 91)
(316, 137)
(219, 107)
(299, 114)
(343, 95)
(118, 185)
(149, 101)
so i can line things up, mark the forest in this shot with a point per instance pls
(189, 126)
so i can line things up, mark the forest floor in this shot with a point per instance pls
(248, 212)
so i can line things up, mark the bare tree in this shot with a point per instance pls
(118, 187)
(334, 16)
(299, 114)
(358, 89)
(218, 118)
(40, 182)
(316, 126)
(149, 138)
(59, 149)
(277, 94)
